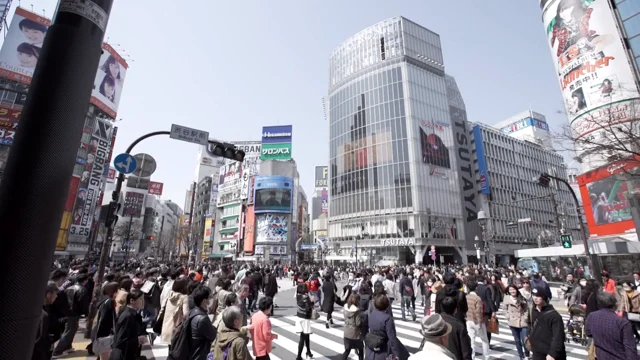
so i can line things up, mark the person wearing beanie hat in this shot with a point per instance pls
(547, 338)
(436, 333)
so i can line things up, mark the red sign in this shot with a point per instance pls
(9, 113)
(606, 192)
(155, 188)
(111, 176)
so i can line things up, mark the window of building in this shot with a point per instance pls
(632, 25)
(628, 8)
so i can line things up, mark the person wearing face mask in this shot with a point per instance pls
(575, 297)
(202, 331)
(631, 297)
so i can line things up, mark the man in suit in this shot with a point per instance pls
(490, 307)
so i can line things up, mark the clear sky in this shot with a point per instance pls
(230, 67)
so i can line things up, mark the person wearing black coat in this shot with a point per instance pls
(453, 291)
(202, 331)
(486, 296)
(458, 341)
(304, 313)
(43, 347)
(329, 293)
(128, 329)
(547, 332)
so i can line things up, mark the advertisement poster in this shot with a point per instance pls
(322, 177)
(133, 203)
(107, 86)
(294, 203)
(230, 176)
(605, 196)
(434, 151)
(325, 202)
(214, 194)
(276, 142)
(111, 175)
(273, 194)
(591, 63)
(22, 45)
(249, 230)
(250, 165)
(251, 190)
(7, 134)
(271, 228)
(155, 188)
(95, 172)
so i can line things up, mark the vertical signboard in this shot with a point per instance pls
(322, 177)
(109, 81)
(207, 237)
(485, 185)
(250, 165)
(276, 142)
(95, 172)
(22, 45)
(325, 201)
(133, 203)
(591, 64)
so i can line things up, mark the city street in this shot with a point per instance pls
(328, 343)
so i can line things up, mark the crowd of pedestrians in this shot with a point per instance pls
(214, 312)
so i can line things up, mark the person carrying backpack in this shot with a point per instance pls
(230, 344)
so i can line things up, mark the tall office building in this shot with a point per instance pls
(401, 172)
(628, 16)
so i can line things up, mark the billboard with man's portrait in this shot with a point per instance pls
(273, 194)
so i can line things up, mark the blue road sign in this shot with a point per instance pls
(125, 163)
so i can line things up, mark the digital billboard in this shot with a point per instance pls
(591, 63)
(606, 192)
(271, 228)
(109, 81)
(322, 177)
(276, 142)
(485, 185)
(434, 151)
(273, 194)
(22, 45)
(249, 230)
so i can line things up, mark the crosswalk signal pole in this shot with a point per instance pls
(36, 179)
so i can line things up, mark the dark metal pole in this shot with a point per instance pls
(159, 241)
(36, 179)
(194, 187)
(583, 229)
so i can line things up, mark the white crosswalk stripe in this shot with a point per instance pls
(327, 343)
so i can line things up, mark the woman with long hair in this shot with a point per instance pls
(352, 326)
(329, 290)
(517, 314)
(590, 296)
(305, 310)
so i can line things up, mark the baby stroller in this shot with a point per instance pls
(575, 325)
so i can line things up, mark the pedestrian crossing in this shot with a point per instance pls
(327, 343)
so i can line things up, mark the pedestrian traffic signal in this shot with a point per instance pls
(544, 180)
(566, 241)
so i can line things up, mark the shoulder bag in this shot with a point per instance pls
(527, 341)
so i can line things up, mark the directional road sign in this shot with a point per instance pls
(184, 133)
(146, 165)
(125, 163)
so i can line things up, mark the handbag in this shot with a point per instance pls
(374, 341)
(633, 317)
(493, 326)
(315, 315)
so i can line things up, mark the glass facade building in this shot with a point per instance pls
(629, 19)
(394, 184)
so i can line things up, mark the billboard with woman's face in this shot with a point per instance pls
(107, 86)
(21, 48)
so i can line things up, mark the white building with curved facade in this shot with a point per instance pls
(402, 174)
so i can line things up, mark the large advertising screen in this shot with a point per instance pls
(95, 172)
(273, 194)
(605, 197)
(22, 45)
(434, 151)
(249, 230)
(591, 63)
(272, 228)
(107, 86)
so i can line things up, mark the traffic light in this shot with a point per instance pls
(227, 151)
(566, 241)
(544, 180)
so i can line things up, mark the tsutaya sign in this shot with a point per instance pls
(398, 242)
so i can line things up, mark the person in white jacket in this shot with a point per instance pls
(166, 288)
